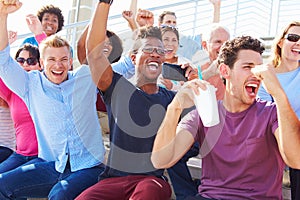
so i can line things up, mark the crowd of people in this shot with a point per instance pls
(53, 118)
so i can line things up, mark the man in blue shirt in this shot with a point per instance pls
(62, 105)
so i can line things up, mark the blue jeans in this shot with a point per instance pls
(4, 153)
(13, 161)
(39, 179)
(180, 175)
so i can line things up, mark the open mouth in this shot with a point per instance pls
(57, 73)
(153, 66)
(296, 51)
(252, 89)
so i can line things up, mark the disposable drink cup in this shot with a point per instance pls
(207, 107)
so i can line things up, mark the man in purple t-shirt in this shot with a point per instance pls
(243, 156)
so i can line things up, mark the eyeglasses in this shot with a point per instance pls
(30, 61)
(150, 50)
(292, 37)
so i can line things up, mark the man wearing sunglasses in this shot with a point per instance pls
(62, 106)
(135, 111)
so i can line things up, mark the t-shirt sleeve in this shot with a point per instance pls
(191, 123)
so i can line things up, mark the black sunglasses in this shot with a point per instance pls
(30, 61)
(292, 37)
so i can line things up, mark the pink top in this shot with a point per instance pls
(26, 141)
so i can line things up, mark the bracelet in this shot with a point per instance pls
(106, 1)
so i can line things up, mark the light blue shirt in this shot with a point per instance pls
(290, 82)
(64, 115)
(124, 67)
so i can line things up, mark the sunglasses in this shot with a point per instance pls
(292, 37)
(29, 61)
(169, 26)
(150, 50)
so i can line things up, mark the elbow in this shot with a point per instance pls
(158, 162)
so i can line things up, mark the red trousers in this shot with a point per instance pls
(128, 187)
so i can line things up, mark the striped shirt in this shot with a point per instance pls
(7, 130)
(64, 115)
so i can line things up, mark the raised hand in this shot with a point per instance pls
(34, 24)
(144, 18)
(12, 36)
(9, 6)
(215, 2)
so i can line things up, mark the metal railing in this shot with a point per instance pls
(255, 17)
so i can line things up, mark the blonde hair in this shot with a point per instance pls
(54, 41)
(276, 49)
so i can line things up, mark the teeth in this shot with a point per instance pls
(298, 50)
(252, 85)
(153, 64)
(57, 72)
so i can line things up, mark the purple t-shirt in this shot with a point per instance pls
(240, 156)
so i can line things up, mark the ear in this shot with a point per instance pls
(224, 70)
(71, 64)
(42, 63)
(133, 58)
(204, 45)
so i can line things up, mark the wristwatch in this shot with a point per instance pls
(106, 1)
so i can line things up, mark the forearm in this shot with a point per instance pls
(133, 9)
(99, 65)
(3, 31)
(216, 15)
(289, 130)
(164, 151)
(81, 53)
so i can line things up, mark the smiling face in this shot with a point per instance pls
(50, 23)
(216, 40)
(56, 62)
(171, 44)
(24, 62)
(290, 50)
(241, 84)
(107, 47)
(149, 63)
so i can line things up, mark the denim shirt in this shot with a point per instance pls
(64, 114)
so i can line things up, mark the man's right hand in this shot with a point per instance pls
(9, 6)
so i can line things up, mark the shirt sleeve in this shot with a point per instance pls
(124, 67)
(191, 123)
(12, 74)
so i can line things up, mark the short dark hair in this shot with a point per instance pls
(117, 47)
(163, 14)
(52, 10)
(230, 49)
(143, 33)
(32, 49)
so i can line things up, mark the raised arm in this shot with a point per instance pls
(216, 12)
(81, 48)
(130, 14)
(172, 142)
(288, 132)
(99, 65)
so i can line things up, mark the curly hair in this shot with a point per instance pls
(32, 49)
(230, 49)
(52, 10)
